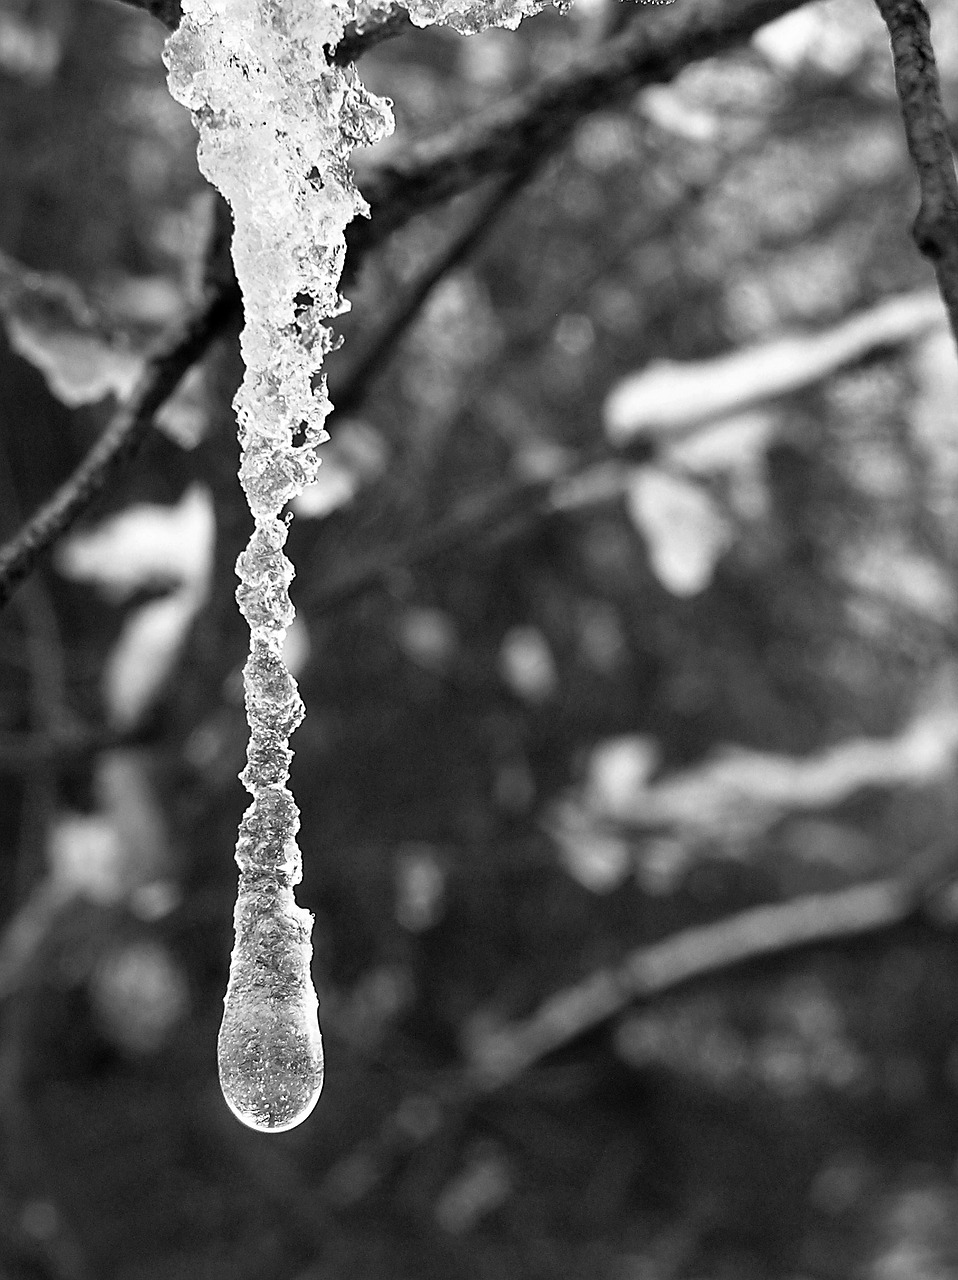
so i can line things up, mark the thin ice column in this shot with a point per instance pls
(276, 125)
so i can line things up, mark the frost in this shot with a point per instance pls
(277, 122)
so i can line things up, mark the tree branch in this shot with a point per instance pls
(525, 129)
(119, 442)
(498, 1057)
(926, 130)
(166, 11)
(370, 356)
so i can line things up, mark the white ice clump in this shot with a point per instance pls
(277, 122)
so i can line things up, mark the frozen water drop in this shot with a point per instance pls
(270, 1048)
(271, 1078)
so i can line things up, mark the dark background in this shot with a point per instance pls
(516, 704)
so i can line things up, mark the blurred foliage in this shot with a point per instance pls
(472, 712)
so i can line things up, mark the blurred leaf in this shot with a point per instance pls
(139, 995)
(685, 531)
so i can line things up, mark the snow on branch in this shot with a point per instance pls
(671, 397)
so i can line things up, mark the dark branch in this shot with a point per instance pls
(926, 129)
(525, 129)
(117, 445)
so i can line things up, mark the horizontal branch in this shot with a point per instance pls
(926, 130)
(119, 442)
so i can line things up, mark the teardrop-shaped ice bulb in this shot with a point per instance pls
(270, 1048)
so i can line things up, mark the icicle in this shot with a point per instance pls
(277, 123)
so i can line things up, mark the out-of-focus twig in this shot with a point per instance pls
(166, 11)
(498, 1055)
(926, 129)
(395, 21)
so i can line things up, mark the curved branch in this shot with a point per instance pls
(926, 130)
(119, 442)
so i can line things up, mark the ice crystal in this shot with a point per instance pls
(277, 122)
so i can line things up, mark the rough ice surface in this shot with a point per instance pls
(277, 122)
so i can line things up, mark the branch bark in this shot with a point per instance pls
(926, 130)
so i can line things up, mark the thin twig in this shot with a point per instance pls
(926, 129)
(500, 1056)
(117, 445)
(679, 405)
